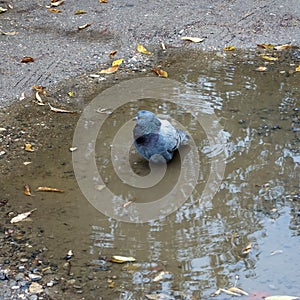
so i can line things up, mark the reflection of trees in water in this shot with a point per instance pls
(202, 243)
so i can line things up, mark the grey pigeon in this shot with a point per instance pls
(157, 139)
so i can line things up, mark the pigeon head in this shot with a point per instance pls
(147, 117)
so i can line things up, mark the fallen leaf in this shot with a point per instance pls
(266, 46)
(161, 73)
(79, 12)
(237, 290)
(140, 48)
(261, 69)
(276, 252)
(94, 75)
(162, 275)
(26, 163)
(297, 69)
(112, 53)
(59, 110)
(27, 59)
(247, 249)
(84, 26)
(283, 47)
(103, 1)
(27, 191)
(216, 293)
(269, 58)
(56, 3)
(159, 296)
(71, 94)
(40, 89)
(127, 203)
(192, 39)
(22, 96)
(49, 189)
(2, 9)
(9, 33)
(282, 297)
(163, 46)
(39, 99)
(54, 10)
(100, 187)
(110, 70)
(72, 149)
(229, 292)
(22, 216)
(28, 148)
(122, 259)
(229, 48)
(117, 62)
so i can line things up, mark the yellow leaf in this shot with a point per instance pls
(121, 259)
(269, 58)
(103, 1)
(282, 47)
(49, 189)
(79, 12)
(117, 62)
(266, 46)
(40, 89)
(229, 48)
(140, 48)
(28, 148)
(237, 290)
(110, 70)
(2, 9)
(71, 94)
(54, 10)
(247, 249)
(297, 69)
(192, 39)
(161, 73)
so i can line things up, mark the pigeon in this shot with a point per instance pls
(156, 139)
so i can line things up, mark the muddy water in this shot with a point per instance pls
(202, 244)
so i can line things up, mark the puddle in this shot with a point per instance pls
(200, 244)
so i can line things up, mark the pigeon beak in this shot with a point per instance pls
(134, 119)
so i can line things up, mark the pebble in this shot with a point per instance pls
(35, 288)
(35, 277)
(19, 276)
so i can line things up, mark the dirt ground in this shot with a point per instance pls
(62, 51)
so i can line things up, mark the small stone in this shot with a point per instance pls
(35, 277)
(35, 288)
(33, 297)
(19, 277)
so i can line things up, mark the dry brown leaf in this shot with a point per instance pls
(27, 59)
(110, 70)
(22, 216)
(39, 99)
(192, 39)
(40, 89)
(48, 189)
(127, 203)
(79, 12)
(283, 47)
(54, 10)
(22, 96)
(269, 58)
(27, 190)
(266, 46)
(229, 48)
(60, 110)
(103, 1)
(229, 292)
(28, 148)
(161, 73)
(261, 69)
(112, 53)
(84, 26)
(140, 48)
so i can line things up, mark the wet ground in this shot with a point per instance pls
(203, 246)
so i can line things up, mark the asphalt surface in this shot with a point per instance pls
(62, 51)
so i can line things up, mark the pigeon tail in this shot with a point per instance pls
(184, 138)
